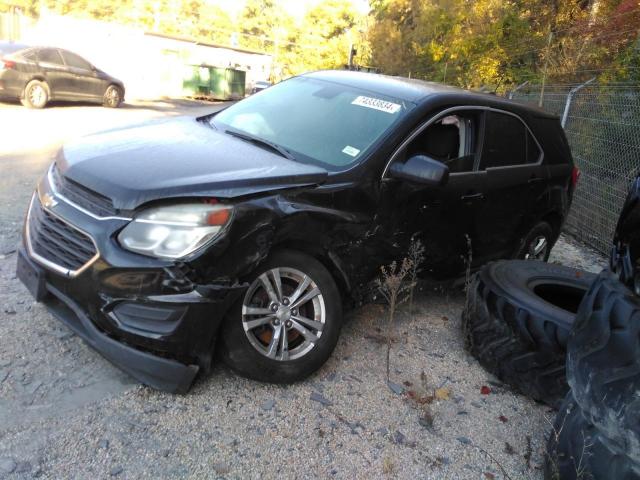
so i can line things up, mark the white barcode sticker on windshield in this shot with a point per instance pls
(376, 104)
(349, 150)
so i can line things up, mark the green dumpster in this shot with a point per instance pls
(218, 86)
(227, 83)
(214, 82)
(236, 83)
(196, 81)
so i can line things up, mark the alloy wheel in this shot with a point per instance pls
(113, 96)
(283, 314)
(37, 95)
(537, 248)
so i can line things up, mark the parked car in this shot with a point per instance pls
(260, 86)
(246, 231)
(38, 75)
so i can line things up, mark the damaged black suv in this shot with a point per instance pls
(247, 231)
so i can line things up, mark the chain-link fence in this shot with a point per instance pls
(602, 124)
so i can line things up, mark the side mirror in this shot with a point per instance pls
(421, 169)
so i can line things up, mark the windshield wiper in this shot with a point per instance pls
(265, 143)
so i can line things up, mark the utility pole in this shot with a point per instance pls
(546, 64)
(444, 77)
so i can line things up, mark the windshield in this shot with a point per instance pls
(320, 122)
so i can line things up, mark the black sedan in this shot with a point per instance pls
(247, 231)
(38, 75)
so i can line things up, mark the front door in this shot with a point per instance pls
(85, 81)
(442, 217)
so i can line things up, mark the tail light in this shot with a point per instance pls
(7, 65)
(575, 176)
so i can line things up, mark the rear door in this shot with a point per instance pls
(85, 80)
(55, 72)
(517, 185)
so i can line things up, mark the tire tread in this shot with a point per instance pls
(522, 348)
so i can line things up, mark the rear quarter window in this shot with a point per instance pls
(30, 55)
(550, 134)
(50, 55)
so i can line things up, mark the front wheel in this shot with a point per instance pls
(288, 322)
(112, 97)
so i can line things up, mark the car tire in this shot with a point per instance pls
(246, 348)
(517, 321)
(603, 362)
(35, 95)
(536, 245)
(112, 97)
(576, 449)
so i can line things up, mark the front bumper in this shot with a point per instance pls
(144, 315)
(157, 372)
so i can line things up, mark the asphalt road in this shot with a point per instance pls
(67, 413)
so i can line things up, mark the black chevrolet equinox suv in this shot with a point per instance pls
(246, 232)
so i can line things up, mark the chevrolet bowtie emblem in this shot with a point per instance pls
(48, 201)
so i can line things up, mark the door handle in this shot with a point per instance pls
(535, 179)
(472, 196)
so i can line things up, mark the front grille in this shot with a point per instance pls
(56, 241)
(89, 200)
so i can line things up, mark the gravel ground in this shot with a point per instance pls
(58, 419)
(67, 413)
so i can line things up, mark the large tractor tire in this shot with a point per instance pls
(603, 363)
(517, 322)
(577, 450)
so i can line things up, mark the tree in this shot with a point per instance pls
(331, 23)
(488, 44)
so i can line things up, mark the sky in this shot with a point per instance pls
(294, 7)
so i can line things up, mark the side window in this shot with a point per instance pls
(75, 61)
(507, 142)
(50, 55)
(451, 140)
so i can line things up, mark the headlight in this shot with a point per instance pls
(174, 231)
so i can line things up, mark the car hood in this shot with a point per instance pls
(177, 158)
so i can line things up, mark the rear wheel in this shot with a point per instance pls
(36, 94)
(536, 245)
(287, 324)
(112, 97)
